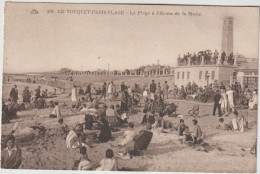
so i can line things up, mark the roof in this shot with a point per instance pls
(249, 66)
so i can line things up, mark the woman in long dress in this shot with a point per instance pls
(109, 90)
(224, 101)
(73, 94)
(230, 95)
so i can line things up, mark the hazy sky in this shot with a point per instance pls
(46, 41)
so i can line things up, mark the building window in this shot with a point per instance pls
(200, 75)
(188, 75)
(206, 74)
(212, 75)
(178, 75)
(182, 75)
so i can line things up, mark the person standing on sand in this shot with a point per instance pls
(230, 94)
(165, 90)
(104, 91)
(11, 157)
(73, 95)
(38, 93)
(224, 101)
(14, 94)
(124, 101)
(109, 90)
(217, 102)
(26, 94)
(152, 89)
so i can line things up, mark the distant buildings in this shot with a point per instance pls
(149, 70)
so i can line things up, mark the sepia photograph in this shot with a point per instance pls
(130, 87)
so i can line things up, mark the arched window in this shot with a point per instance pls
(182, 75)
(178, 75)
(200, 75)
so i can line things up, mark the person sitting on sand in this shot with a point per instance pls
(110, 112)
(145, 117)
(63, 128)
(73, 137)
(186, 136)
(139, 143)
(223, 126)
(197, 134)
(56, 111)
(238, 122)
(109, 163)
(17, 131)
(181, 127)
(118, 113)
(148, 118)
(128, 135)
(89, 103)
(84, 162)
(105, 132)
(11, 157)
(162, 123)
(83, 108)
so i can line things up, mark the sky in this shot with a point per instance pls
(51, 41)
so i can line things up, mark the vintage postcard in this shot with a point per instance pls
(124, 87)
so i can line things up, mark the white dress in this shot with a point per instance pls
(109, 90)
(224, 101)
(252, 103)
(230, 99)
(73, 95)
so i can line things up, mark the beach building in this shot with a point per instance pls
(209, 68)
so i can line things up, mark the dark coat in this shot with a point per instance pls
(12, 162)
(153, 87)
(14, 94)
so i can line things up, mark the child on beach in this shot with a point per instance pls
(56, 111)
(109, 163)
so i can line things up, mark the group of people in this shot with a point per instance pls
(207, 56)
(107, 119)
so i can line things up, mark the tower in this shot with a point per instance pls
(227, 35)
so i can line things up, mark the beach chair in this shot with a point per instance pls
(194, 111)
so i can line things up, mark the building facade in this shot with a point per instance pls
(203, 75)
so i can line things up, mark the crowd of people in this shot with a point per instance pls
(110, 118)
(206, 57)
(230, 96)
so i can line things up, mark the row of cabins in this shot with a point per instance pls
(149, 70)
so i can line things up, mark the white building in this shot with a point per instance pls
(203, 75)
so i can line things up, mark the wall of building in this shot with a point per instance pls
(225, 73)
(198, 74)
